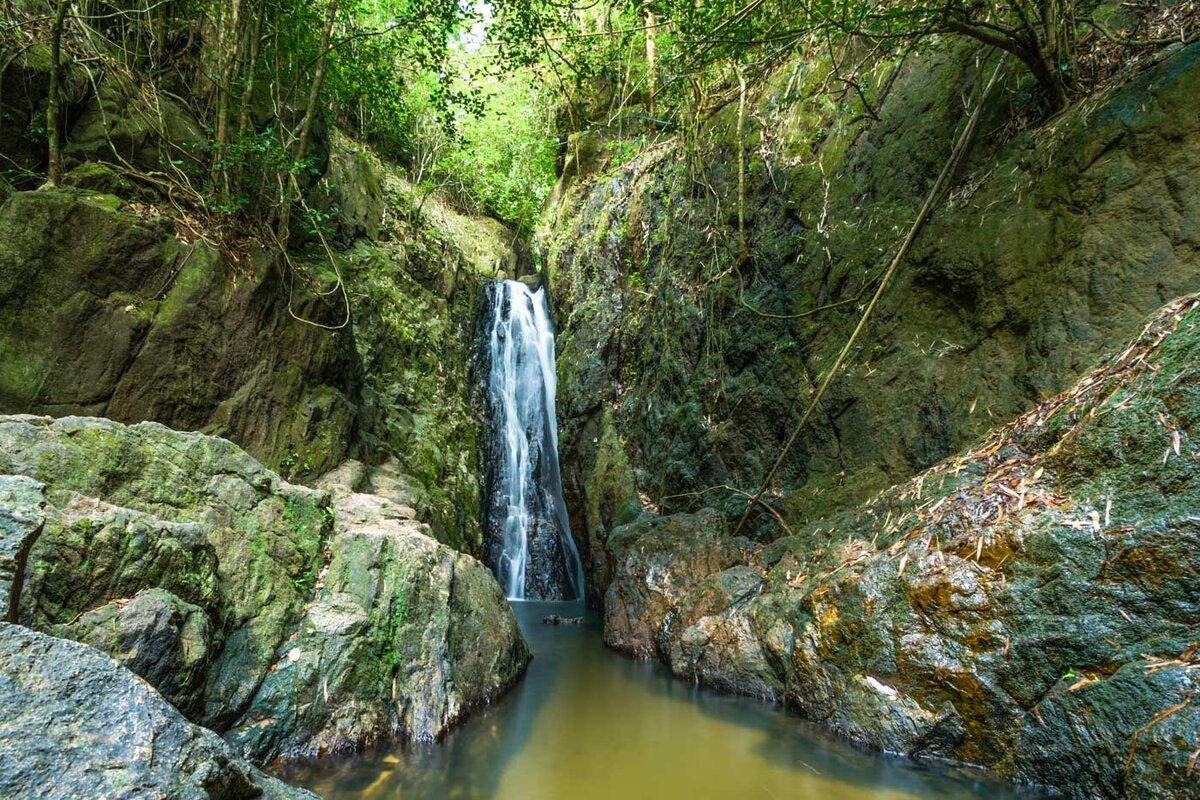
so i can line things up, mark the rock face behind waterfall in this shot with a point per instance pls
(1029, 606)
(527, 538)
(290, 624)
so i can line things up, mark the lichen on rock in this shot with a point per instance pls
(404, 636)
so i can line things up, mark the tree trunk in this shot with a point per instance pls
(743, 251)
(651, 63)
(228, 51)
(310, 114)
(1030, 51)
(1049, 78)
(54, 97)
(314, 94)
(1056, 48)
(251, 68)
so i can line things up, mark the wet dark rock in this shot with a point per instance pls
(546, 576)
(156, 635)
(74, 723)
(555, 619)
(548, 571)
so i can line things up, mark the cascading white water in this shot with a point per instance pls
(530, 546)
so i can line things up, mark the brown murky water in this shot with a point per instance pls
(586, 724)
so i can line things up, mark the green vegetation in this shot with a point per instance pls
(228, 106)
(502, 164)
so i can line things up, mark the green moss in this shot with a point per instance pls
(24, 368)
(417, 345)
(395, 624)
(194, 277)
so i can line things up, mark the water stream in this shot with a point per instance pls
(529, 544)
(588, 724)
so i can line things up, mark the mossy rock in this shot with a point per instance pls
(144, 507)
(117, 123)
(106, 313)
(73, 719)
(405, 637)
(93, 177)
(290, 625)
(1028, 606)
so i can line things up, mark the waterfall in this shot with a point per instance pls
(528, 540)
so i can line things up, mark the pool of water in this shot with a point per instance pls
(586, 723)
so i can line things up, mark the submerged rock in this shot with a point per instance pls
(1031, 606)
(291, 625)
(74, 723)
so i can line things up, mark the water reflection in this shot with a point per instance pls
(587, 724)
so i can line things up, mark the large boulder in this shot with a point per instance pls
(352, 191)
(74, 723)
(678, 591)
(404, 637)
(119, 125)
(145, 507)
(261, 610)
(1030, 605)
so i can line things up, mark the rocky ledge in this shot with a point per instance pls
(290, 622)
(1032, 606)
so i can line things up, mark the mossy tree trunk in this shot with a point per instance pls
(54, 97)
(229, 47)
